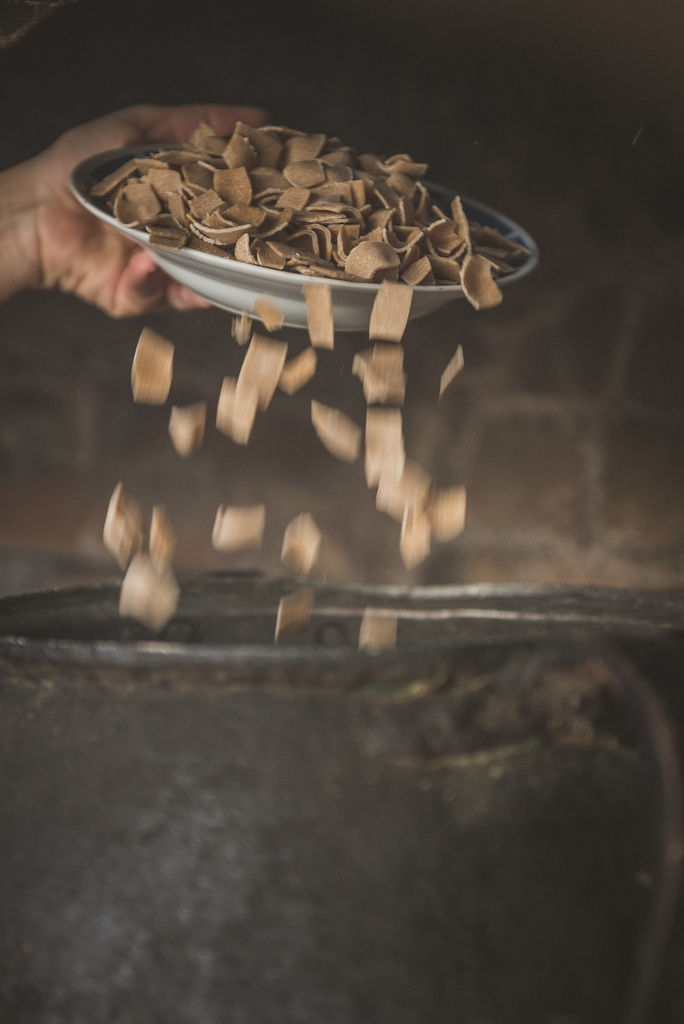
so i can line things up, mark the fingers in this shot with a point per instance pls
(180, 297)
(141, 287)
(176, 124)
(144, 288)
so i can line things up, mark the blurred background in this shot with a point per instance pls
(567, 424)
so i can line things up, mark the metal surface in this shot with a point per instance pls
(212, 828)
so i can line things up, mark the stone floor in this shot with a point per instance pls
(567, 425)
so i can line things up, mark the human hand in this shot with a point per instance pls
(48, 240)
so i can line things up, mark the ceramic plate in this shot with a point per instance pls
(235, 286)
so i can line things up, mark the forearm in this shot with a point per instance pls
(19, 256)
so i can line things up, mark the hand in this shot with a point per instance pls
(48, 240)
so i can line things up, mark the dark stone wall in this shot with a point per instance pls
(567, 424)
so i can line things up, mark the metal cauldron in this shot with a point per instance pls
(207, 827)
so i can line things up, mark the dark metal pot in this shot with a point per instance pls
(206, 827)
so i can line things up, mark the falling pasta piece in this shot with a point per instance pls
(294, 612)
(152, 369)
(382, 374)
(237, 527)
(319, 315)
(270, 314)
(340, 435)
(162, 537)
(385, 453)
(148, 594)
(241, 328)
(391, 311)
(262, 367)
(301, 544)
(394, 495)
(186, 427)
(298, 371)
(378, 629)
(414, 544)
(447, 512)
(479, 287)
(451, 371)
(123, 532)
(236, 410)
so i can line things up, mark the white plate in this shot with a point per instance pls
(235, 286)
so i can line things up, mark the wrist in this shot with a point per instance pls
(19, 250)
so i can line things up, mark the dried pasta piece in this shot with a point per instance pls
(236, 410)
(152, 369)
(123, 532)
(447, 512)
(261, 368)
(372, 261)
(445, 236)
(202, 132)
(391, 310)
(395, 494)
(197, 175)
(419, 272)
(460, 220)
(267, 145)
(136, 203)
(294, 613)
(264, 178)
(166, 240)
(240, 213)
(162, 537)
(113, 180)
(303, 147)
(301, 544)
(243, 252)
(294, 198)
(479, 287)
(385, 453)
(186, 427)
(378, 629)
(444, 269)
(319, 315)
(164, 181)
(451, 371)
(382, 374)
(202, 206)
(270, 314)
(305, 173)
(297, 372)
(241, 328)
(237, 527)
(267, 256)
(233, 185)
(240, 152)
(148, 594)
(340, 435)
(414, 544)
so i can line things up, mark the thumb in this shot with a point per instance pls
(141, 286)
